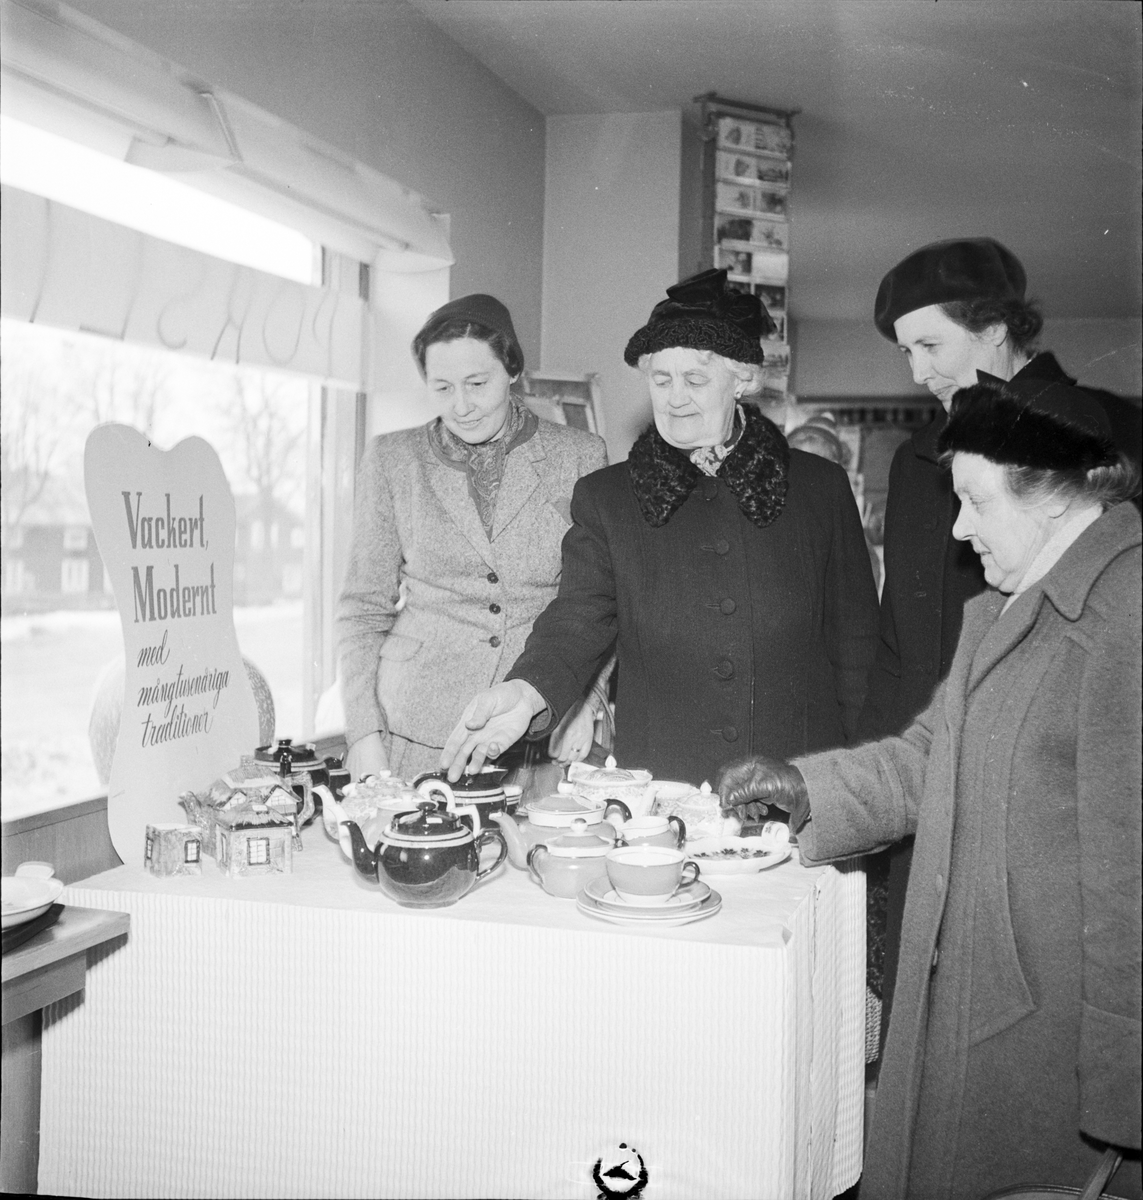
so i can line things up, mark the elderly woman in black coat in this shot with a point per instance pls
(729, 572)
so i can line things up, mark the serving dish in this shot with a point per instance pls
(737, 855)
(24, 897)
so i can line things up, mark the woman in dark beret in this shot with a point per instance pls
(456, 546)
(1013, 1048)
(729, 571)
(959, 313)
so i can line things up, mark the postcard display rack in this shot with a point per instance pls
(746, 189)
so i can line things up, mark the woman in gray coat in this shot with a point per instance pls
(456, 547)
(1014, 1042)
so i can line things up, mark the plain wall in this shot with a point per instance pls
(611, 248)
(384, 84)
(850, 358)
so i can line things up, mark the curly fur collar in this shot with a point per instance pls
(756, 471)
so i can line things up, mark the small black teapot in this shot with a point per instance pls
(425, 859)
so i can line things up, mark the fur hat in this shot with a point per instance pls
(702, 313)
(1035, 423)
(477, 309)
(962, 269)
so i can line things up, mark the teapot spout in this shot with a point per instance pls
(517, 849)
(364, 859)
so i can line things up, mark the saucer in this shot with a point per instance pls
(604, 895)
(736, 855)
(660, 914)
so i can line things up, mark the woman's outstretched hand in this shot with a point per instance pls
(495, 720)
(572, 737)
(754, 784)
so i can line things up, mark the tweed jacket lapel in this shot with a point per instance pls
(451, 488)
(522, 469)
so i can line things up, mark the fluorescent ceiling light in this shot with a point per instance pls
(62, 170)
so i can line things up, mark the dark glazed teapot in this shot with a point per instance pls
(425, 859)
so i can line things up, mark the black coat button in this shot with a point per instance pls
(722, 546)
(727, 606)
(493, 577)
(494, 641)
(729, 733)
(494, 608)
(725, 669)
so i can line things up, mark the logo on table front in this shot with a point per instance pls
(620, 1172)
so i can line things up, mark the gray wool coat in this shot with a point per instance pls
(1015, 1031)
(470, 601)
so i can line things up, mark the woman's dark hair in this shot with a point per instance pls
(507, 351)
(1022, 319)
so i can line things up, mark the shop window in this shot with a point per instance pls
(75, 537)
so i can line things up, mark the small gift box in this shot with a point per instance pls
(173, 850)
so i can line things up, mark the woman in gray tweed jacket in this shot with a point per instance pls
(456, 547)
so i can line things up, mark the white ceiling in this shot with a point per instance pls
(1019, 119)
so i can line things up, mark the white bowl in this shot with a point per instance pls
(23, 898)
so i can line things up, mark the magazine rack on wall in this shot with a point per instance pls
(746, 160)
(566, 399)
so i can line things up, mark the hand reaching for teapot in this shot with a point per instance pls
(752, 785)
(366, 757)
(495, 720)
(572, 737)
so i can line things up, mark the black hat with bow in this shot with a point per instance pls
(703, 313)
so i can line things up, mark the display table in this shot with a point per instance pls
(302, 1035)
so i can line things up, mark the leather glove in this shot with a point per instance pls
(754, 784)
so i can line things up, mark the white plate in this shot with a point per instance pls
(661, 915)
(24, 898)
(763, 853)
(601, 891)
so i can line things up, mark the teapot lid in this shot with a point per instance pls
(609, 773)
(579, 842)
(302, 756)
(485, 782)
(429, 823)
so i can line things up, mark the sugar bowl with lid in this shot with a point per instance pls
(550, 816)
(565, 864)
(635, 788)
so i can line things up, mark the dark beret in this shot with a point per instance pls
(477, 309)
(703, 313)
(962, 269)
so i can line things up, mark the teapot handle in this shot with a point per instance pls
(533, 870)
(486, 838)
(437, 787)
(620, 807)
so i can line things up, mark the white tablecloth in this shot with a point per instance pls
(302, 1035)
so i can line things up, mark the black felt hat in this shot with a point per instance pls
(1030, 423)
(477, 309)
(962, 269)
(702, 313)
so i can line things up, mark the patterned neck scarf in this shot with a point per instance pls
(708, 459)
(483, 465)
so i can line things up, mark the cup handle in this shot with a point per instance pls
(532, 868)
(486, 838)
(683, 880)
(680, 828)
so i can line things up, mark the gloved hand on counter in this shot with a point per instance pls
(754, 784)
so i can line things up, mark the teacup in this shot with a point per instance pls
(654, 831)
(649, 874)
